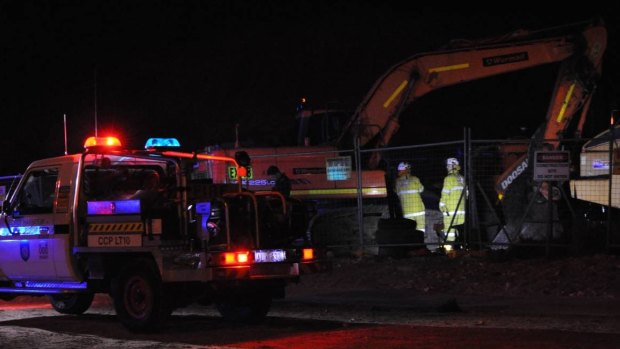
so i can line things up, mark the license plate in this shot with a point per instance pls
(267, 256)
(112, 240)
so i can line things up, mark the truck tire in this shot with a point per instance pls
(72, 304)
(245, 309)
(138, 297)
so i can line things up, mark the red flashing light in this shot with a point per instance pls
(243, 172)
(307, 254)
(102, 142)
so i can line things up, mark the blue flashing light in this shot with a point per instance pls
(26, 230)
(203, 208)
(600, 164)
(162, 143)
(113, 207)
(13, 177)
(58, 284)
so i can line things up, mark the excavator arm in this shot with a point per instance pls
(580, 53)
(570, 101)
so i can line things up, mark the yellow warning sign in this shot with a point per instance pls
(134, 227)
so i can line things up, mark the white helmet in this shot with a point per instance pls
(452, 163)
(404, 166)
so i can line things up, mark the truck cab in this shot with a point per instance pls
(141, 227)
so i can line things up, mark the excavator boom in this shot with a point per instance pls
(579, 51)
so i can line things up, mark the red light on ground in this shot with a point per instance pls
(25, 304)
(308, 254)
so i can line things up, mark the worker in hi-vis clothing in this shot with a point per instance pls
(409, 190)
(452, 202)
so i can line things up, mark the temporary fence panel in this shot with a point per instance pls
(513, 211)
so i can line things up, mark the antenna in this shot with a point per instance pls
(95, 102)
(237, 135)
(64, 117)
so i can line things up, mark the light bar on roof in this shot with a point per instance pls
(162, 143)
(102, 142)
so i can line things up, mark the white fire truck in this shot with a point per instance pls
(137, 224)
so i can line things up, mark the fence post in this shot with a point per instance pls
(358, 169)
(468, 179)
(550, 219)
(611, 176)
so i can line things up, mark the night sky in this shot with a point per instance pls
(194, 69)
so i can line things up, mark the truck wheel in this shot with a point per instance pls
(138, 298)
(251, 310)
(73, 304)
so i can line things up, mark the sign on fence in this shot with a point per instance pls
(338, 168)
(551, 166)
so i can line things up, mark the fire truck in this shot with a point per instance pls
(141, 227)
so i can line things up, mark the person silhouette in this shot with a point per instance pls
(282, 182)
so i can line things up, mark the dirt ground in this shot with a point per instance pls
(586, 279)
(593, 276)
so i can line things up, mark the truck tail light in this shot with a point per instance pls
(230, 258)
(307, 254)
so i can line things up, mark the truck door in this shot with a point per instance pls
(33, 246)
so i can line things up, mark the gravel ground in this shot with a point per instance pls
(576, 294)
(594, 276)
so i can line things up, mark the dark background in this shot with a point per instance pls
(194, 69)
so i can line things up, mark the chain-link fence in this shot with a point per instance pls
(505, 198)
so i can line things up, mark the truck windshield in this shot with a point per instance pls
(38, 193)
(122, 178)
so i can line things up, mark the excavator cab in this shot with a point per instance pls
(320, 126)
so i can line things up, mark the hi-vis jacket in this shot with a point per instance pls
(453, 186)
(409, 190)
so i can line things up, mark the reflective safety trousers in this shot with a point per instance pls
(409, 189)
(453, 186)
